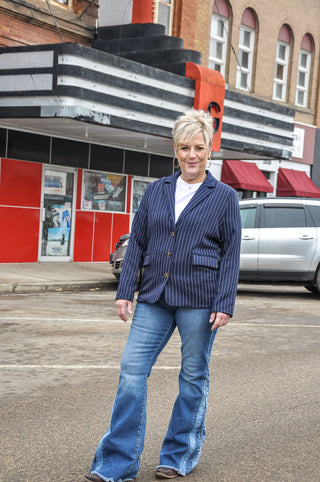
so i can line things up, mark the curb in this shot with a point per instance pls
(22, 288)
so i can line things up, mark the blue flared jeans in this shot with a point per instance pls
(117, 457)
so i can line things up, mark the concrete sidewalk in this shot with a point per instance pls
(55, 276)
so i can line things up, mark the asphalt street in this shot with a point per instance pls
(59, 367)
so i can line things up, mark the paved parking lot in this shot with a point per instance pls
(59, 367)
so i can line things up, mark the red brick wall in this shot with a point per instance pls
(184, 24)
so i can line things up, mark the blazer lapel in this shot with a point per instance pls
(170, 190)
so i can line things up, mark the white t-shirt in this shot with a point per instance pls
(184, 193)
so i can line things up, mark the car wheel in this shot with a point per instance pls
(312, 288)
(317, 280)
(315, 288)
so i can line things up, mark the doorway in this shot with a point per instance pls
(57, 223)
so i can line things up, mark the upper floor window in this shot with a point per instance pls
(63, 2)
(304, 68)
(282, 64)
(219, 36)
(246, 50)
(163, 14)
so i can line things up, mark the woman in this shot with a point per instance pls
(186, 236)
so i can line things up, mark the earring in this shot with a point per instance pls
(208, 166)
(174, 163)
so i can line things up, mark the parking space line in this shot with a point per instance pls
(77, 367)
(33, 318)
(104, 320)
(273, 325)
(116, 320)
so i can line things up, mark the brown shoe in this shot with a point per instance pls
(165, 473)
(93, 477)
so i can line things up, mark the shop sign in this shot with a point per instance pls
(298, 142)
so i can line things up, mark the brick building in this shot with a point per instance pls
(267, 50)
(89, 94)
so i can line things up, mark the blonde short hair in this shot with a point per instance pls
(190, 124)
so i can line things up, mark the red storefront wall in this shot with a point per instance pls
(20, 206)
(20, 196)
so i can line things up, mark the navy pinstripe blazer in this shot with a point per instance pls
(194, 262)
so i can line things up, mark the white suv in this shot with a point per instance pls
(281, 241)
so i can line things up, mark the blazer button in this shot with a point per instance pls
(168, 254)
(172, 233)
(166, 275)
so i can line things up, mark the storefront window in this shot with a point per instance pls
(104, 191)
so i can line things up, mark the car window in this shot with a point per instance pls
(284, 217)
(315, 213)
(248, 216)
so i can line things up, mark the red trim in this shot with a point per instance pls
(248, 19)
(307, 43)
(284, 34)
(245, 175)
(295, 183)
(220, 7)
(209, 95)
(142, 11)
(79, 188)
(129, 187)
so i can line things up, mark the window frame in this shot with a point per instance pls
(170, 5)
(250, 51)
(212, 60)
(285, 64)
(63, 3)
(245, 219)
(305, 70)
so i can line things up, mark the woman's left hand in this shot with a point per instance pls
(218, 319)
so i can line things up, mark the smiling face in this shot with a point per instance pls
(192, 156)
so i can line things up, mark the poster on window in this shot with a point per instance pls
(58, 232)
(138, 190)
(55, 182)
(103, 191)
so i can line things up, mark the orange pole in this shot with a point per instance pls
(143, 11)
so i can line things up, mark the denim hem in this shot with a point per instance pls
(102, 477)
(111, 480)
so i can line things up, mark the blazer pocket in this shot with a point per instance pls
(205, 260)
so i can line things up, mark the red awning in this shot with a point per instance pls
(245, 175)
(295, 183)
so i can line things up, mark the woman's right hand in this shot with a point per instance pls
(122, 307)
